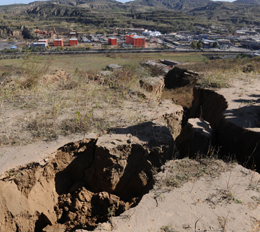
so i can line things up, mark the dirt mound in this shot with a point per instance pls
(155, 85)
(85, 182)
(58, 75)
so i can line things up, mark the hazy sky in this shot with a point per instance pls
(7, 2)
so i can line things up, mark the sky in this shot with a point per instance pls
(7, 2)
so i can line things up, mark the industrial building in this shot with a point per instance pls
(43, 41)
(58, 43)
(74, 42)
(137, 41)
(112, 41)
(38, 44)
(73, 34)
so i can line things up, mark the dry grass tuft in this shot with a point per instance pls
(182, 171)
(220, 73)
(45, 104)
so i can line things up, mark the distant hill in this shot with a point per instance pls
(137, 5)
(162, 4)
(86, 2)
(163, 15)
(251, 2)
(182, 5)
(226, 12)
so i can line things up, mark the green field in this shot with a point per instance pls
(96, 61)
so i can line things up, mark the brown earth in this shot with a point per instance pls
(116, 169)
(226, 196)
(90, 183)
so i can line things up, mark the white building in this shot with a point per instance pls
(152, 33)
(38, 44)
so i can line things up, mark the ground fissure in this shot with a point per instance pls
(87, 182)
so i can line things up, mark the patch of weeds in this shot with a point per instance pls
(254, 187)
(11, 173)
(123, 80)
(178, 172)
(84, 123)
(156, 70)
(167, 229)
(237, 201)
(227, 195)
(222, 196)
(178, 180)
(213, 200)
(11, 139)
(41, 127)
(31, 72)
(68, 85)
(158, 196)
(71, 126)
(257, 199)
(5, 74)
(214, 80)
(102, 124)
(112, 211)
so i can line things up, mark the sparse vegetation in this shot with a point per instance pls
(167, 229)
(220, 73)
(43, 98)
(182, 171)
(58, 103)
(50, 105)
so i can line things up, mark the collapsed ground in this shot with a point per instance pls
(132, 126)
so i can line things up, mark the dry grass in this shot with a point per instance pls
(220, 73)
(99, 61)
(33, 108)
(182, 171)
(44, 107)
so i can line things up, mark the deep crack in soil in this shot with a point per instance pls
(86, 182)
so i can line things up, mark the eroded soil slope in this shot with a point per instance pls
(86, 182)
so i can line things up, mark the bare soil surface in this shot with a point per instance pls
(243, 98)
(225, 199)
(61, 191)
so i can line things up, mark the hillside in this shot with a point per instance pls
(183, 5)
(226, 12)
(167, 4)
(164, 15)
(161, 19)
(137, 5)
(253, 2)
